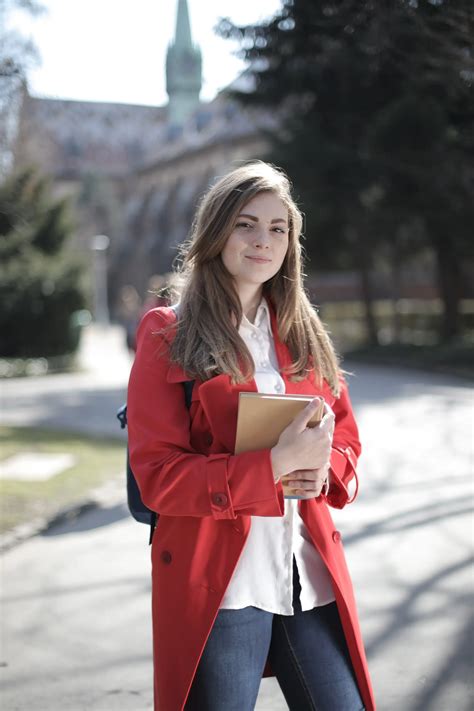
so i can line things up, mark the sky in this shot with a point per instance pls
(115, 50)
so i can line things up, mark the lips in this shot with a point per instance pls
(259, 260)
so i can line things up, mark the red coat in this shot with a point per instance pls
(205, 497)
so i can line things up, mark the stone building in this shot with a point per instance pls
(136, 173)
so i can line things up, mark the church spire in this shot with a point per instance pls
(183, 28)
(183, 70)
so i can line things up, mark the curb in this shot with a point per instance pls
(24, 531)
(110, 493)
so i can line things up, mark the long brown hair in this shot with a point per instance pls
(207, 341)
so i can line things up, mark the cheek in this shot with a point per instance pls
(229, 255)
(281, 252)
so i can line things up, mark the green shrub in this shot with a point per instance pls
(40, 281)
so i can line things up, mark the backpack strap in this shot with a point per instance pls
(153, 519)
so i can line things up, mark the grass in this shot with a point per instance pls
(97, 461)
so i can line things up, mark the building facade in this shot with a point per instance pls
(136, 173)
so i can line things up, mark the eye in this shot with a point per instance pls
(280, 230)
(246, 225)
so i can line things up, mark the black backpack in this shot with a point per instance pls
(139, 511)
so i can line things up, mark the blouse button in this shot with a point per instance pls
(166, 557)
(336, 536)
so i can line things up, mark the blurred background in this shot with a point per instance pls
(115, 118)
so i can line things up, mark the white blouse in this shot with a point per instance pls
(263, 577)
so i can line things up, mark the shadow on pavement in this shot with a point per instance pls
(87, 520)
(456, 671)
(389, 514)
(405, 614)
(141, 584)
(425, 602)
(415, 517)
(437, 682)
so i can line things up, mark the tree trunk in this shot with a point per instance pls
(368, 298)
(363, 259)
(450, 288)
(396, 287)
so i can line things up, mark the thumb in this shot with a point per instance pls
(327, 424)
(302, 418)
(328, 421)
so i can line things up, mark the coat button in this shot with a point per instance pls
(209, 440)
(336, 536)
(219, 499)
(166, 557)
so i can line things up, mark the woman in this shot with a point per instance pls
(245, 582)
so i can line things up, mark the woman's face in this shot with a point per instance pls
(256, 248)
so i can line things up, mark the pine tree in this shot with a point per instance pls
(376, 105)
(40, 280)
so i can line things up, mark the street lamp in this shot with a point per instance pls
(99, 245)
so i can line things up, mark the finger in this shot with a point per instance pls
(328, 421)
(294, 474)
(301, 420)
(300, 474)
(304, 494)
(312, 477)
(328, 409)
(305, 485)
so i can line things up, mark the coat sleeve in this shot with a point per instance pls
(346, 449)
(174, 479)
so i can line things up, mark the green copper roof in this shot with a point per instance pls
(183, 69)
(183, 28)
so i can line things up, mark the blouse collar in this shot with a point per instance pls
(262, 318)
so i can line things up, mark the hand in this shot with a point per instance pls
(306, 483)
(305, 449)
(309, 483)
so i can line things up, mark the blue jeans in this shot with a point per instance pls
(307, 651)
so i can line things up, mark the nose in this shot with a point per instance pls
(261, 238)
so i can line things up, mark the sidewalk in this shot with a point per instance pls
(76, 600)
(103, 352)
(85, 401)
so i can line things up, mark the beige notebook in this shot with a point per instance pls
(262, 418)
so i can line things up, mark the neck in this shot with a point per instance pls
(250, 297)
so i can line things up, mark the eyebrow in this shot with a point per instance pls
(255, 219)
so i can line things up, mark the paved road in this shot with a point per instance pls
(85, 401)
(75, 608)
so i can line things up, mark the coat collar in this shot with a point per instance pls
(219, 397)
(177, 375)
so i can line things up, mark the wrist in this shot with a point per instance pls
(277, 461)
(326, 484)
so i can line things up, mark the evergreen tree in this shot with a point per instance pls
(376, 101)
(40, 281)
